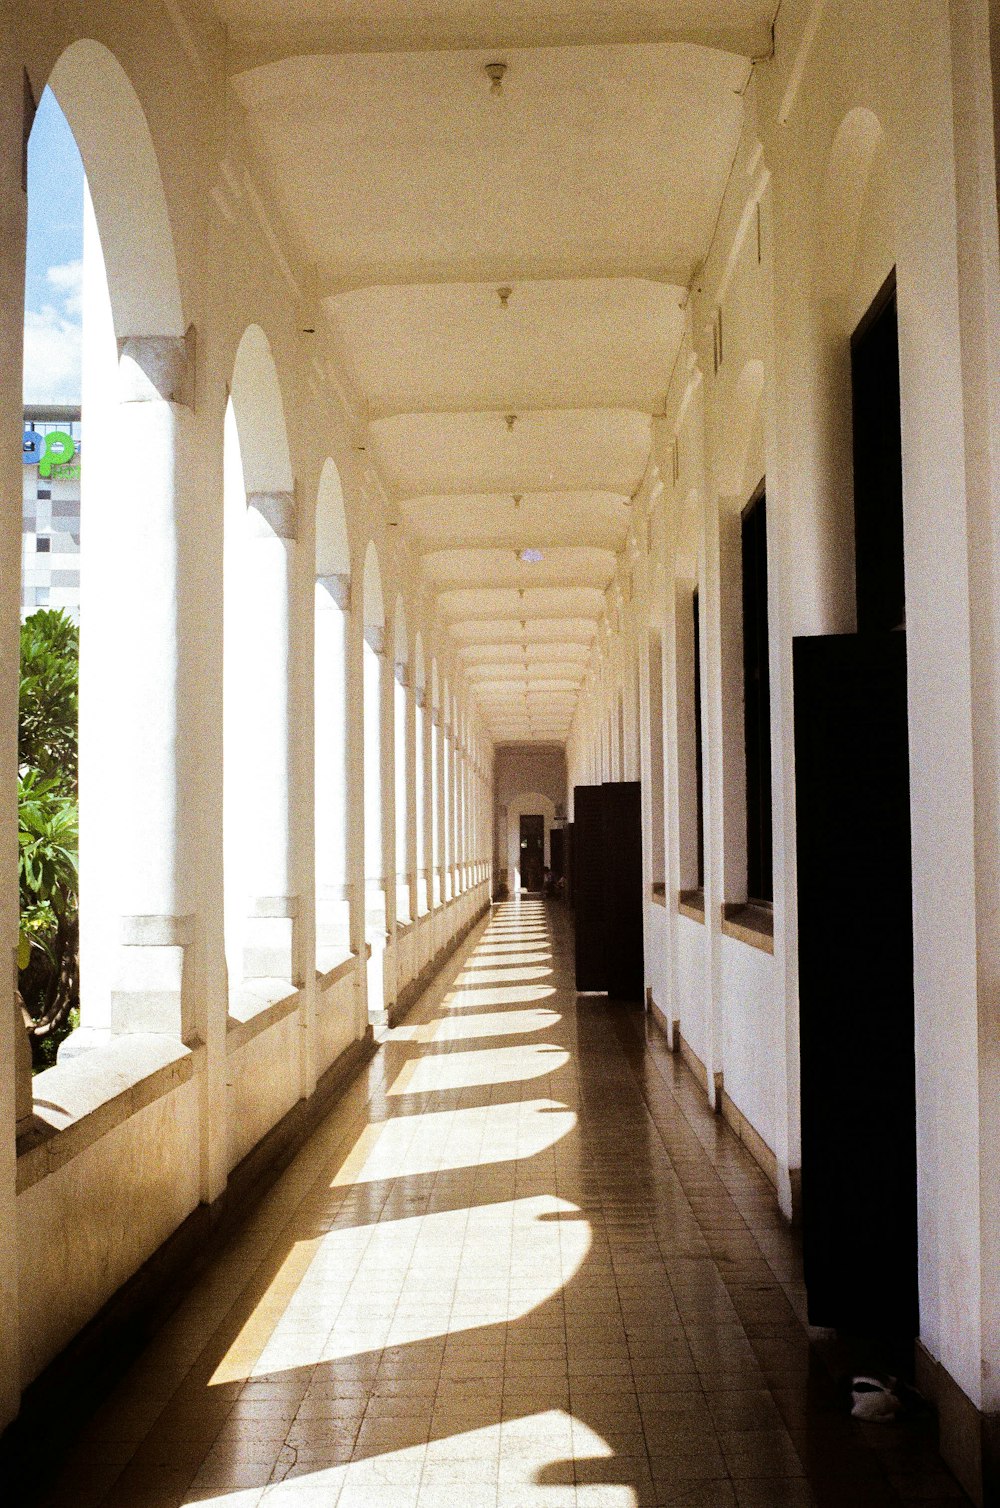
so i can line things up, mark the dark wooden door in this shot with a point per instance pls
(623, 889)
(856, 983)
(532, 852)
(589, 886)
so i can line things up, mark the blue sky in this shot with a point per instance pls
(54, 261)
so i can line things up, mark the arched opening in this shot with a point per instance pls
(118, 292)
(48, 952)
(402, 762)
(373, 653)
(530, 805)
(332, 619)
(261, 911)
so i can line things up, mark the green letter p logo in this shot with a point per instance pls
(58, 450)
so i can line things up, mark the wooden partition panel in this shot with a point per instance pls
(607, 888)
(589, 887)
(623, 896)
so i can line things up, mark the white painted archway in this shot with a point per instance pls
(532, 804)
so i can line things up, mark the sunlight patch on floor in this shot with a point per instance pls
(487, 1024)
(467, 1070)
(510, 994)
(409, 1145)
(362, 1288)
(507, 974)
(495, 959)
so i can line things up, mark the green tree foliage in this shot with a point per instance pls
(48, 712)
(49, 940)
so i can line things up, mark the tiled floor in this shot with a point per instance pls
(519, 1264)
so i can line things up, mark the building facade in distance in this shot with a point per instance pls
(50, 532)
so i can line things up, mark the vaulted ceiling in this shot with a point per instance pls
(504, 274)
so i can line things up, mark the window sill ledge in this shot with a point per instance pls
(659, 893)
(257, 1005)
(749, 923)
(332, 965)
(691, 903)
(80, 1101)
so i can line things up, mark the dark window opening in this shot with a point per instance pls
(757, 701)
(699, 808)
(43, 544)
(878, 467)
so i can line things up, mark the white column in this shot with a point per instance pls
(377, 916)
(333, 889)
(453, 855)
(414, 796)
(459, 817)
(15, 1071)
(422, 803)
(141, 693)
(356, 807)
(466, 814)
(270, 939)
(402, 787)
(446, 890)
(436, 825)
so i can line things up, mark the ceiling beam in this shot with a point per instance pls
(329, 285)
(372, 30)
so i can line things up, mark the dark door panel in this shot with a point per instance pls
(623, 892)
(589, 887)
(856, 983)
(532, 852)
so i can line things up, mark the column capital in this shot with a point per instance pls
(335, 591)
(420, 696)
(402, 672)
(158, 368)
(272, 515)
(375, 638)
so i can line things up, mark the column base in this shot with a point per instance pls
(153, 988)
(270, 944)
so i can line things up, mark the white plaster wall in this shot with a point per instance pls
(656, 955)
(520, 772)
(531, 805)
(828, 235)
(264, 1084)
(752, 1012)
(85, 1228)
(335, 1020)
(690, 999)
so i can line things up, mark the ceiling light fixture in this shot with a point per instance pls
(531, 556)
(503, 294)
(517, 496)
(510, 420)
(495, 72)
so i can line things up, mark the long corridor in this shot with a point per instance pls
(520, 1263)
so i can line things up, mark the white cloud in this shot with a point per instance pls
(67, 280)
(52, 340)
